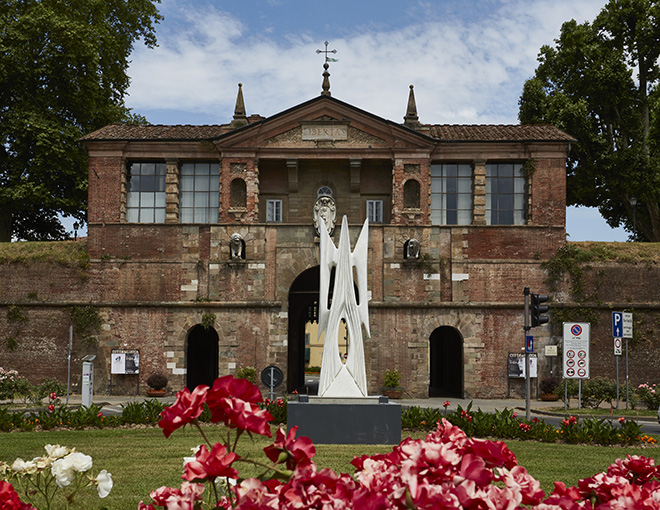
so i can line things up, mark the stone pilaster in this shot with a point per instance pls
(292, 170)
(124, 190)
(172, 191)
(356, 167)
(479, 193)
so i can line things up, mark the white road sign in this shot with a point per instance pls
(617, 347)
(576, 350)
(627, 325)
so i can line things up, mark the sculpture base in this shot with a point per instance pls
(368, 420)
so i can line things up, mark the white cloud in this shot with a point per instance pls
(464, 70)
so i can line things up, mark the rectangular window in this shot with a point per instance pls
(375, 211)
(274, 211)
(199, 199)
(451, 194)
(145, 199)
(505, 194)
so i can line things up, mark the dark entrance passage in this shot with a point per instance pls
(202, 357)
(446, 356)
(303, 303)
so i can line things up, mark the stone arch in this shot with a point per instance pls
(446, 362)
(202, 351)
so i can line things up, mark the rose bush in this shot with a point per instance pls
(40, 478)
(446, 469)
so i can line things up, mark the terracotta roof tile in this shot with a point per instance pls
(442, 132)
(156, 132)
(498, 133)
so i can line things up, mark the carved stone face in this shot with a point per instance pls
(325, 208)
(236, 246)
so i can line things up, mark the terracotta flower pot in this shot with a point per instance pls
(155, 393)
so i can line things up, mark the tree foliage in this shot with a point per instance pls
(601, 84)
(63, 74)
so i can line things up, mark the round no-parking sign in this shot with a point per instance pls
(576, 350)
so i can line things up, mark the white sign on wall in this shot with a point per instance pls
(627, 325)
(576, 350)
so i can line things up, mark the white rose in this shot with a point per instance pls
(18, 466)
(63, 472)
(104, 483)
(80, 461)
(56, 451)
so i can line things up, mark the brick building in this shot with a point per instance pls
(486, 204)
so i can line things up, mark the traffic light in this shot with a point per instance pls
(537, 309)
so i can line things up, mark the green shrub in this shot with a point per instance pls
(7, 383)
(278, 408)
(598, 390)
(44, 390)
(391, 378)
(650, 395)
(249, 373)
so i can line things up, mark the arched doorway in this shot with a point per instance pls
(446, 363)
(201, 356)
(303, 302)
(304, 349)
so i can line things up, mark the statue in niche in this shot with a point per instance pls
(326, 209)
(411, 249)
(236, 246)
(339, 379)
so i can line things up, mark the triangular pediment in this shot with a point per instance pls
(324, 123)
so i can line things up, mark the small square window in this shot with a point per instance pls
(375, 211)
(274, 211)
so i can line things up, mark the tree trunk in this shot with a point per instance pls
(5, 227)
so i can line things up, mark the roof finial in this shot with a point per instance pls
(240, 117)
(326, 74)
(411, 119)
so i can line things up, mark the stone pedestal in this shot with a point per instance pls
(369, 420)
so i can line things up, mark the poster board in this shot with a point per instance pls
(125, 361)
(516, 365)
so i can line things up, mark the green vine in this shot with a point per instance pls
(568, 259)
(85, 318)
(15, 314)
(208, 320)
(529, 167)
(12, 343)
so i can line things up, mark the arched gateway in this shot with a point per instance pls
(303, 300)
(201, 356)
(446, 363)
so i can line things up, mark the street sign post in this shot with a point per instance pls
(617, 324)
(576, 350)
(627, 325)
(617, 347)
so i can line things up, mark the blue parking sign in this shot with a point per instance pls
(617, 324)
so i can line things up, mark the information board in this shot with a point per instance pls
(517, 365)
(576, 350)
(125, 361)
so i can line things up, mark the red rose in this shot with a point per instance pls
(188, 407)
(208, 465)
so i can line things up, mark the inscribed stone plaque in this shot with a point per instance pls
(324, 132)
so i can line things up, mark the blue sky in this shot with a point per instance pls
(467, 59)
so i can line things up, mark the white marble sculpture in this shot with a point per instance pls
(339, 379)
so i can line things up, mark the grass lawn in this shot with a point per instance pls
(141, 459)
(605, 412)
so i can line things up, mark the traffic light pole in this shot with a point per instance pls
(527, 368)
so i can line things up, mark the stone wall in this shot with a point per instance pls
(151, 304)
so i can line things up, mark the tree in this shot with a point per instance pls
(601, 84)
(63, 74)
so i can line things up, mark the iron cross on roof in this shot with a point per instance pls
(326, 51)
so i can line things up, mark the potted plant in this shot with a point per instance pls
(391, 380)
(157, 383)
(547, 389)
